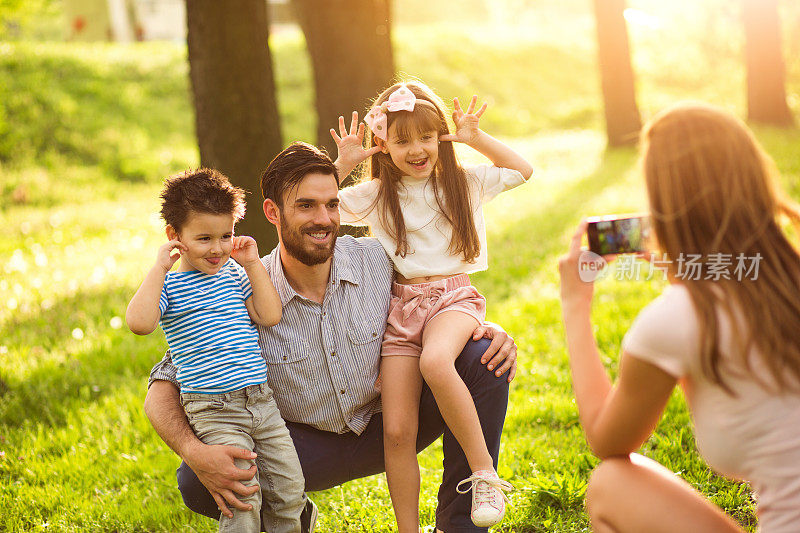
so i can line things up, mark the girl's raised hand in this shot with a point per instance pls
(467, 130)
(166, 258)
(350, 145)
(244, 250)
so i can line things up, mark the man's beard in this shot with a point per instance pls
(296, 246)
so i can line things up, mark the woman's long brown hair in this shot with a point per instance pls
(713, 190)
(448, 179)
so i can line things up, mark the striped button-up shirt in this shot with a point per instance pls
(323, 359)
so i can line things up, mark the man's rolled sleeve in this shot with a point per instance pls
(164, 370)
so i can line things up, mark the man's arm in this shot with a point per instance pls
(214, 465)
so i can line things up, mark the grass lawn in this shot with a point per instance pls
(88, 131)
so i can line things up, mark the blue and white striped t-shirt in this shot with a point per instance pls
(213, 343)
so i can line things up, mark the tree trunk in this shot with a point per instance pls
(238, 130)
(616, 73)
(351, 53)
(766, 75)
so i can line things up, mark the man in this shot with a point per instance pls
(323, 358)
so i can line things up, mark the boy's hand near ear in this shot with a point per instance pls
(245, 250)
(142, 314)
(166, 258)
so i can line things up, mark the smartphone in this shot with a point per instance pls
(618, 234)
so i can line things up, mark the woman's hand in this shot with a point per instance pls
(467, 130)
(578, 269)
(349, 144)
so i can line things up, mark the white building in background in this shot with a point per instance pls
(125, 20)
(139, 20)
(162, 20)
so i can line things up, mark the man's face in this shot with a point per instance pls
(309, 219)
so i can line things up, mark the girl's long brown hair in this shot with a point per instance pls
(449, 181)
(713, 190)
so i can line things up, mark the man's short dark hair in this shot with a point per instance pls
(204, 190)
(289, 168)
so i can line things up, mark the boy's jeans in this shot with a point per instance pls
(249, 418)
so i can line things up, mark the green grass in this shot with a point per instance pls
(88, 131)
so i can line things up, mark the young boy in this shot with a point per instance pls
(205, 310)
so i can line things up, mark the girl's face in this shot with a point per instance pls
(209, 240)
(415, 155)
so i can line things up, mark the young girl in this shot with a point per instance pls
(426, 211)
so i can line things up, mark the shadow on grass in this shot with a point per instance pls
(543, 231)
(69, 374)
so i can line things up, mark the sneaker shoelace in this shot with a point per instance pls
(486, 488)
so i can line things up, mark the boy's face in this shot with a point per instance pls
(208, 239)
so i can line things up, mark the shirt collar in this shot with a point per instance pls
(284, 290)
(341, 270)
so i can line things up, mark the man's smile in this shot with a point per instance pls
(319, 236)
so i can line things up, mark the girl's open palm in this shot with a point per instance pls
(466, 123)
(350, 143)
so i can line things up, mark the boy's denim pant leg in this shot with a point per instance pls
(249, 418)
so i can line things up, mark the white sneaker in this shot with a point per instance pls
(488, 497)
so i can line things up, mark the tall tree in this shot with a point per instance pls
(238, 128)
(616, 73)
(351, 53)
(766, 73)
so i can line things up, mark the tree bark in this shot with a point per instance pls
(236, 112)
(766, 73)
(350, 45)
(616, 73)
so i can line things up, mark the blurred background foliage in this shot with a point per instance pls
(89, 129)
(126, 110)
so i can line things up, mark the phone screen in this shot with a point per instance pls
(618, 234)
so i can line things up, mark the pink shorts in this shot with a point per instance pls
(413, 306)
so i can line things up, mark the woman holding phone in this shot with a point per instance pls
(732, 343)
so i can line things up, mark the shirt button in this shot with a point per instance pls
(342, 391)
(333, 353)
(374, 334)
(285, 358)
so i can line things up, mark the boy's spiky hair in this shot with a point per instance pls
(203, 190)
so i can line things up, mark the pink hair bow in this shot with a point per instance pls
(402, 99)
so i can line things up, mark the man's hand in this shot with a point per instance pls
(217, 471)
(502, 351)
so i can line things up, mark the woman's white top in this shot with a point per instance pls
(428, 232)
(754, 436)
